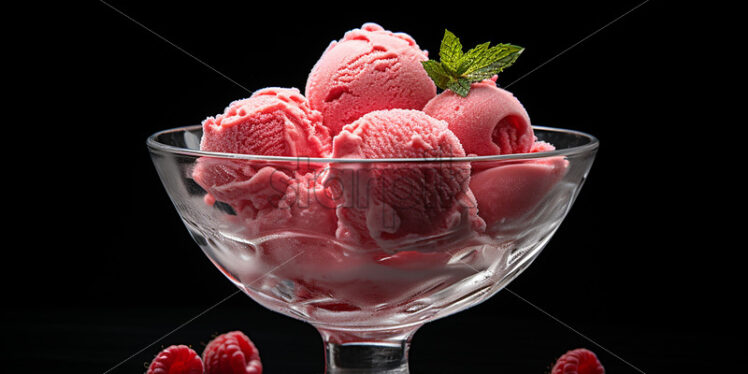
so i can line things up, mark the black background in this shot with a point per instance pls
(107, 267)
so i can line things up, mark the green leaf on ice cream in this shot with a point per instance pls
(461, 86)
(437, 73)
(456, 69)
(450, 52)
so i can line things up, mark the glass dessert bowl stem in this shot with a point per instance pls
(383, 353)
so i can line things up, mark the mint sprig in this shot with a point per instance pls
(457, 70)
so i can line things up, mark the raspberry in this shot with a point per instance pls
(177, 359)
(232, 353)
(578, 361)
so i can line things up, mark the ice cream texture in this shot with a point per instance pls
(272, 122)
(510, 190)
(393, 204)
(368, 69)
(369, 98)
(489, 121)
(345, 233)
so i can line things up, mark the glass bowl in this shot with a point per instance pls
(368, 250)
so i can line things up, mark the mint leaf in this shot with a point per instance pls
(511, 56)
(461, 86)
(472, 56)
(450, 51)
(457, 70)
(497, 58)
(436, 72)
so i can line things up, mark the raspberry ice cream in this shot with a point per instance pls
(369, 69)
(372, 206)
(511, 191)
(272, 122)
(508, 190)
(366, 91)
(489, 121)
(278, 201)
(393, 205)
(347, 235)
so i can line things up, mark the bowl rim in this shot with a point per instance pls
(591, 145)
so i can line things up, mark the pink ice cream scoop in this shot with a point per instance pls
(369, 69)
(274, 122)
(304, 205)
(511, 189)
(295, 215)
(401, 206)
(489, 121)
